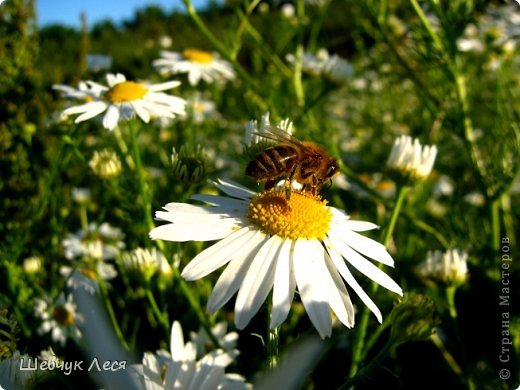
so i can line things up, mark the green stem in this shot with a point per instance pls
(111, 313)
(367, 369)
(273, 337)
(221, 48)
(161, 317)
(123, 149)
(83, 216)
(495, 225)
(143, 188)
(448, 357)
(361, 329)
(298, 61)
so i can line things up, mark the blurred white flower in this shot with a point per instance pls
(251, 136)
(145, 262)
(204, 343)
(410, 159)
(333, 67)
(269, 243)
(123, 99)
(199, 64)
(97, 242)
(180, 369)
(447, 267)
(288, 11)
(81, 195)
(200, 108)
(60, 318)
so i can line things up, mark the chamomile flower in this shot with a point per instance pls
(198, 64)
(60, 318)
(411, 160)
(449, 267)
(180, 369)
(271, 242)
(121, 99)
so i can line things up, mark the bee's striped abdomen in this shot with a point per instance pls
(272, 162)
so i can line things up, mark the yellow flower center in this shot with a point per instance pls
(197, 55)
(126, 91)
(63, 316)
(303, 215)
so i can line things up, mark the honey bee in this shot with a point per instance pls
(306, 162)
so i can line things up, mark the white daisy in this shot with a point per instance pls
(199, 64)
(448, 267)
(181, 370)
(271, 242)
(145, 262)
(97, 242)
(59, 318)
(203, 343)
(411, 159)
(122, 99)
(333, 67)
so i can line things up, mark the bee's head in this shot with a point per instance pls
(332, 169)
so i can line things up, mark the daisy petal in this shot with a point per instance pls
(111, 117)
(284, 285)
(363, 265)
(220, 253)
(309, 279)
(367, 247)
(351, 281)
(231, 279)
(209, 231)
(257, 283)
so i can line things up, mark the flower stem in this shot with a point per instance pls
(110, 309)
(273, 337)
(361, 330)
(162, 317)
(143, 188)
(376, 361)
(448, 357)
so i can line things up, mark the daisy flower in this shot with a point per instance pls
(269, 243)
(180, 369)
(121, 99)
(199, 64)
(448, 267)
(59, 318)
(410, 159)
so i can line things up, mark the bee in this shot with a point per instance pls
(306, 162)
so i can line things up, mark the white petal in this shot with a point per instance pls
(360, 226)
(164, 86)
(234, 189)
(219, 254)
(257, 283)
(364, 266)
(177, 342)
(284, 284)
(351, 281)
(111, 117)
(309, 280)
(219, 200)
(195, 231)
(366, 246)
(141, 111)
(231, 279)
(333, 286)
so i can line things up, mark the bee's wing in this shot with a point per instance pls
(279, 135)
